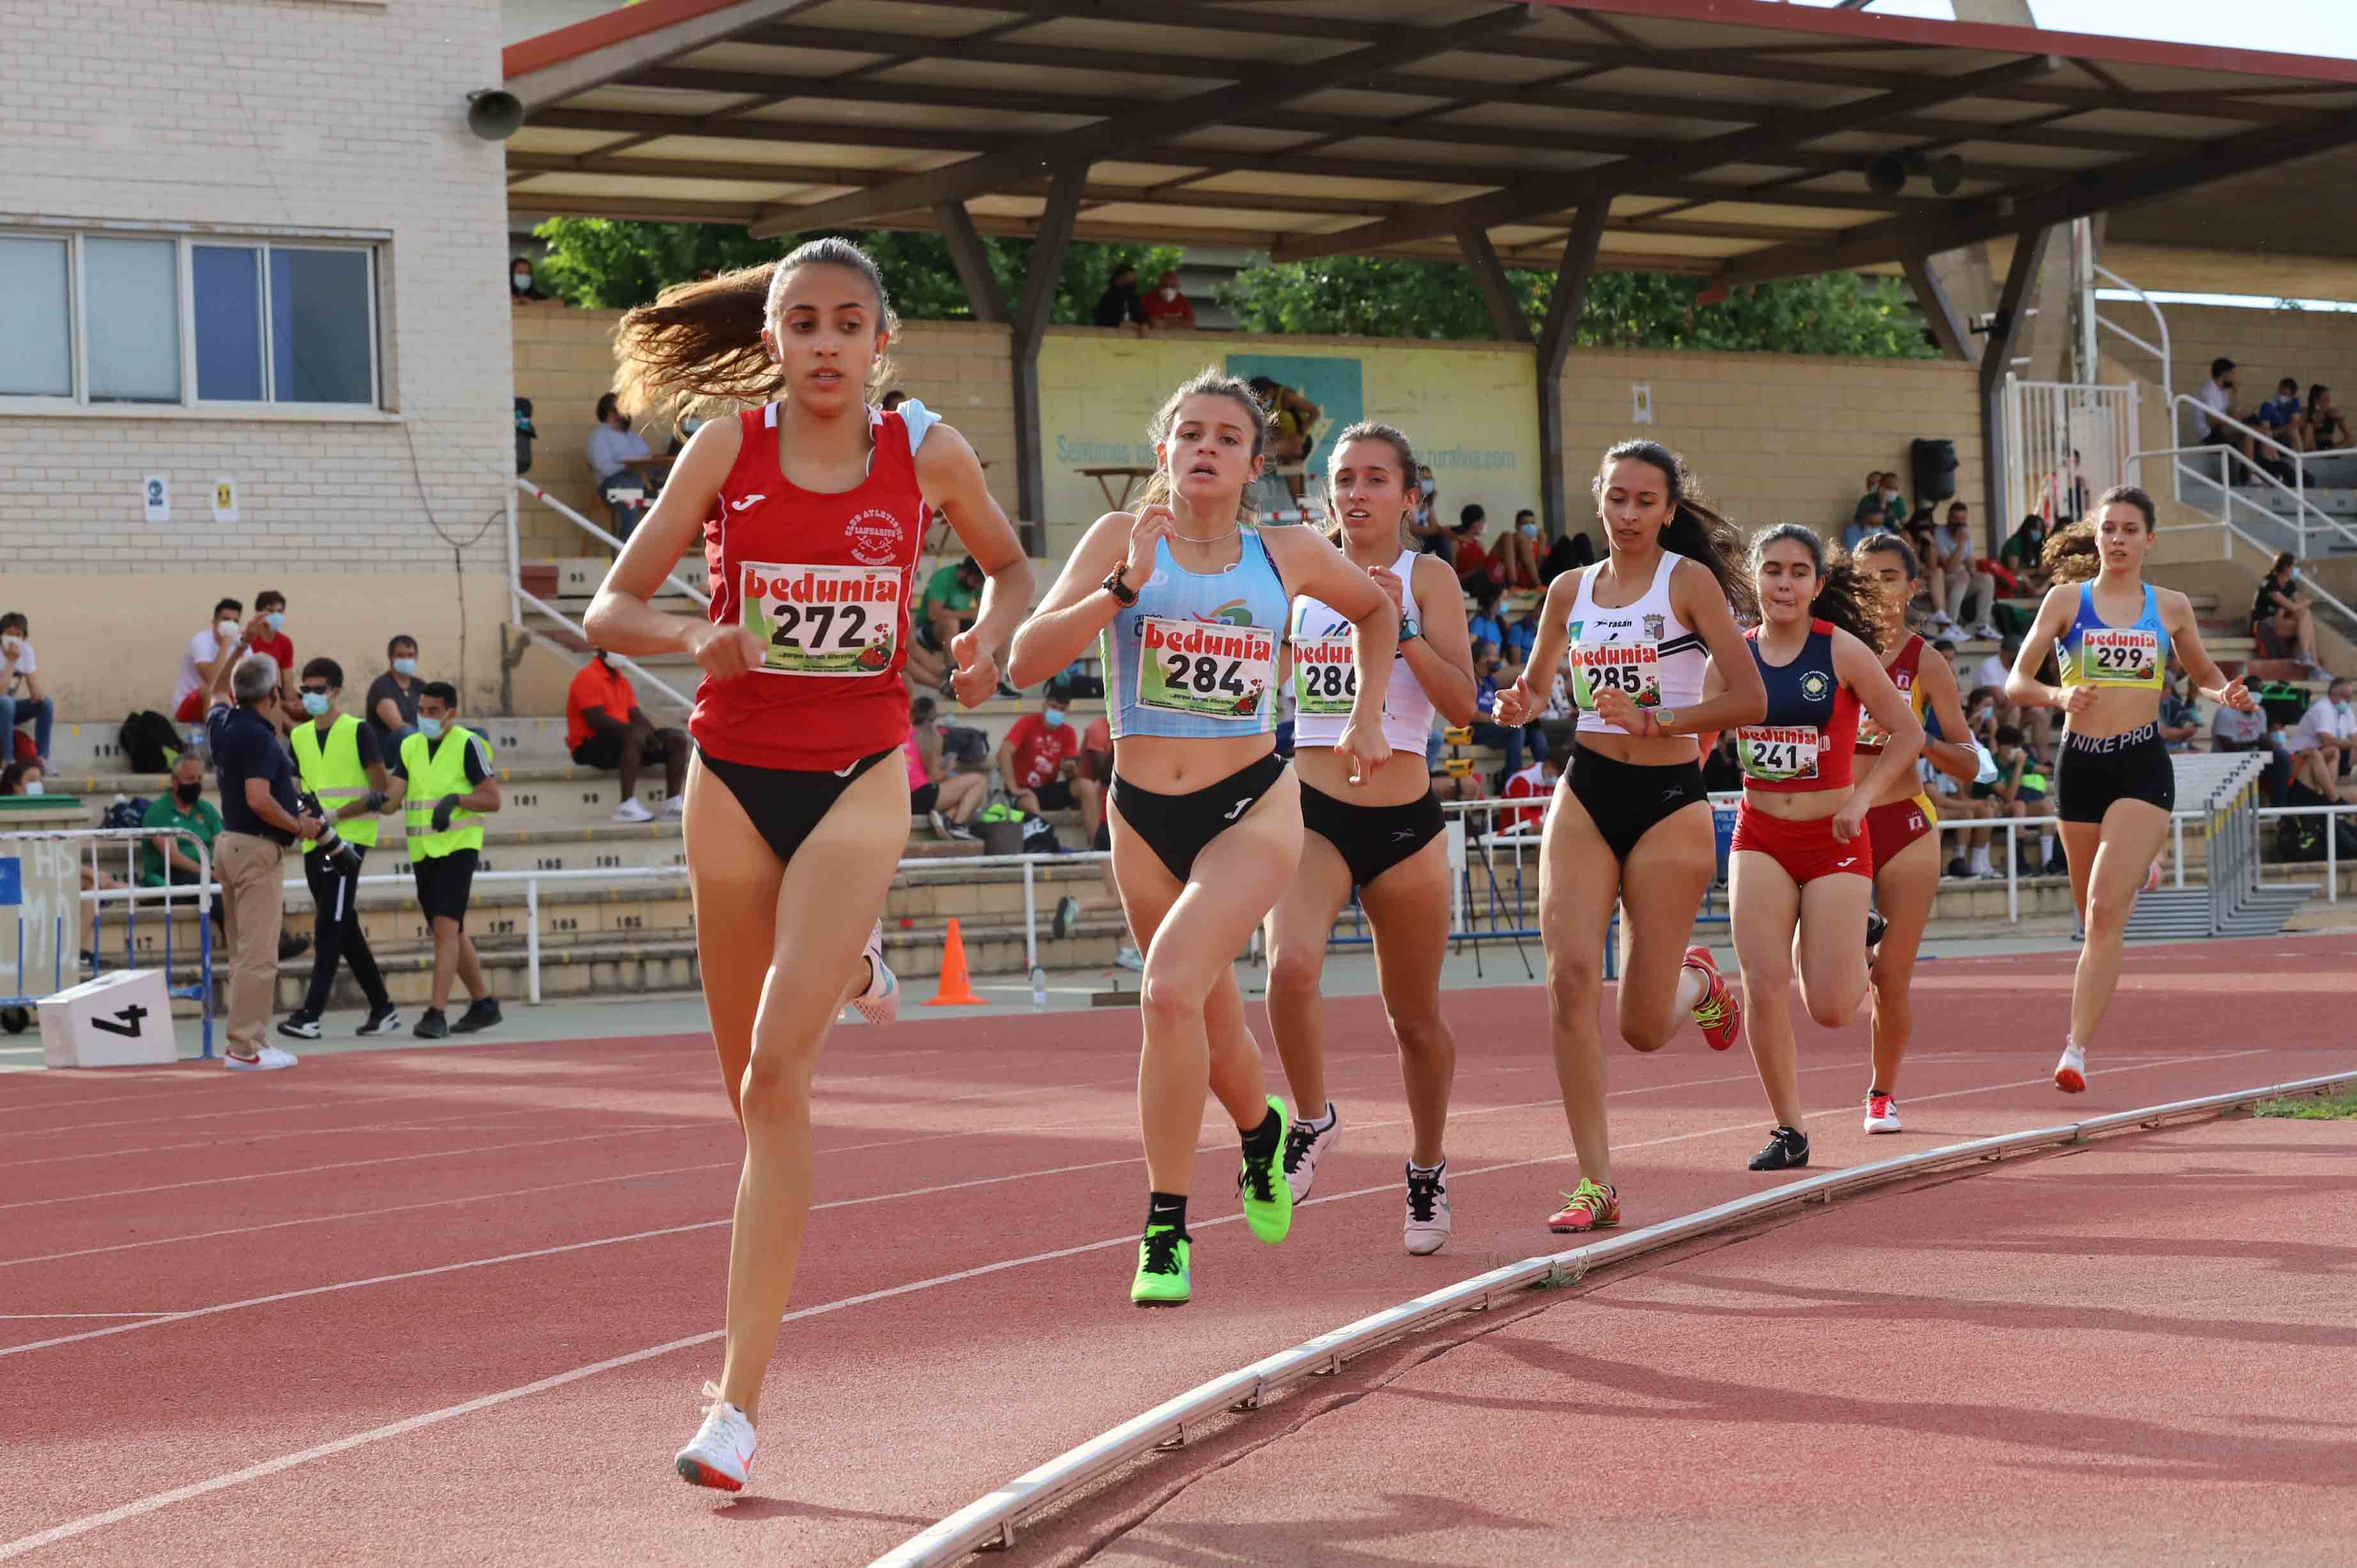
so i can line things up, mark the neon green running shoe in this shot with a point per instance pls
(1163, 1273)
(1260, 1183)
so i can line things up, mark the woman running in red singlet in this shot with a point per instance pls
(810, 510)
(1902, 826)
(1802, 866)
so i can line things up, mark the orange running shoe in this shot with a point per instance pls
(1720, 1011)
(1593, 1206)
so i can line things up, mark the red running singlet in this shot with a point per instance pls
(825, 582)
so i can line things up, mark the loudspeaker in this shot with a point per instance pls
(1934, 469)
(493, 115)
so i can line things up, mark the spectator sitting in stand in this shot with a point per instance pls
(1039, 760)
(524, 285)
(1955, 566)
(1522, 636)
(2321, 742)
(1466, 554)
(2328, 431)
(22, 701)
(604, 728)
(946, 800)
(2280, 601)
(1431, 535)
(1869, 520)
(2022, 555)
(1881, 497)
(2283, 417)
(2215, 406)
(1119, 305)
(1568, 554)
(270, 605)
(196, 660)
(165, 859)
(1490, 678)
(1514, 555)
(2179, 722)
(393, 696)
(1485, 625)
(1292, 423)
(1536, 782)
(2019, 792)
(1167, 309)
(1722, 771)
(952, 599)
(1993, 668)
(2230, 729)
(621, 462)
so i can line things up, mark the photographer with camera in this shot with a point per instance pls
(443, 778)
(344, 780)
(260, 815)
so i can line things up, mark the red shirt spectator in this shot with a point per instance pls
(597, 685)
(270, 605)
(1535, 782)
(1095, 743)
(1167, 307)
(1040, 749)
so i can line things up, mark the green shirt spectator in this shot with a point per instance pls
(183, 806)
(952, 597)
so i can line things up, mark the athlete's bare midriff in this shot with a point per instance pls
(1403, 778)
(1176, 765)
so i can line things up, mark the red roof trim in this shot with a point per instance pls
(626, 22)
(1865, 26)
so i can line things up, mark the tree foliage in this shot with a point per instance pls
(610, 263)
(1839, 313)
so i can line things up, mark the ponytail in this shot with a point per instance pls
(2073, 555)
(1847, 597)
(1208, 381)
(1368, 430)
(1695, 529)
(703, 339)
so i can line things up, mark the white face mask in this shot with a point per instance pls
(12, 642)
(226, 630)
(1170, 293)
(36, 788)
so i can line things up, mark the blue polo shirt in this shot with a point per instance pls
(246, 746)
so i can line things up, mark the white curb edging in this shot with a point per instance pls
(989, 1522)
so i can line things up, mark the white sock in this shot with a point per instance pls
(1981, 859)
(2045, 847)
(1320, 1124)
(1693, 986)
(1415, 1169)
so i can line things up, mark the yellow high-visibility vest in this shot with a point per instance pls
(336, 776)
(436, 770)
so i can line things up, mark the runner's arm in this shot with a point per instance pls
(1861, 669)
(1695, 595)
(2022, 685)
(2185, 634)
(620, 621)
(950, 477)
(1078, 607)
(1957, 759)
(1441, 654)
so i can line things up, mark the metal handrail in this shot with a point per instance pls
(2298, 490)
(2161, 353)
(990, 1520)
(602, 537)
(569, 624)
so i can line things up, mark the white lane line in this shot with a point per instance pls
(243, 1140)
(28, 1316)
(154, 1501)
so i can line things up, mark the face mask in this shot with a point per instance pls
(187, 792)
(626, 421)
(277, 618)
(404, 667)
(520, 281)
(12, 642)
(1530, 530)
(36, 788)
(226, 630)
(315, 703)
(1170, 293)
(1055, 719)
(1427, 486)
(430, 728)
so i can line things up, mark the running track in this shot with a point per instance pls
(446, 1306)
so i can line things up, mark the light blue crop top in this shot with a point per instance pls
(1196, 656)
(2094, 654)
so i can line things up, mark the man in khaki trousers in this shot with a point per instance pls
(255, 773)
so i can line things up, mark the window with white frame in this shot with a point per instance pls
(198, 321)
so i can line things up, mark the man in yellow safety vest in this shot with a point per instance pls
(339, 764)
(444, 781)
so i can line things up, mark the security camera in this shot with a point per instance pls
(494, 114)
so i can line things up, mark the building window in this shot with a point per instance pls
(105, 318)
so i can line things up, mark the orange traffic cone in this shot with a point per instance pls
(955, 990)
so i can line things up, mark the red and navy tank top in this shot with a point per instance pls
(1806, 741)
(1905, 669)
(824, 581)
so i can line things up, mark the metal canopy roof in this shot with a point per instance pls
(1730, 138)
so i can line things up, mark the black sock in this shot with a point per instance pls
(1166, 1209)
(1261, 1141)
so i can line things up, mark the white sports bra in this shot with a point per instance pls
(1325, 682)
(1642, 648)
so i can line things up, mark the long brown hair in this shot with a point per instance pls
(1208, 381)
(1695, 529)
(703, 339)
(2073, 555)
(1846, 597)
(1369, 430)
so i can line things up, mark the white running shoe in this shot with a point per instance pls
(270, 1058)
(630, 810)
(1127, 957)
(1305, 1145)
(1427, 1210)
(880, 1002)
(676, 807)
(940, 824)
(721, 1454)
(1881, 1113)
(2071, 1073)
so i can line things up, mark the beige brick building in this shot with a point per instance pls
(253, 242)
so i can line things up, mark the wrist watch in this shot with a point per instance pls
(1664, 718)
(1409, 631)
(1124, 595)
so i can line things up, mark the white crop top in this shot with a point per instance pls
(1642, 649)
(1326, 682)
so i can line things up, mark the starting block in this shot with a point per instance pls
(124, 1019)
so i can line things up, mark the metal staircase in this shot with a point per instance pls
(2223, 788)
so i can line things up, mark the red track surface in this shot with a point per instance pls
(446, 1306)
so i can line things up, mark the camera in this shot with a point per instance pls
(340, 856)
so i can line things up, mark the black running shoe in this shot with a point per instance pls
(382, 1020)
(1787, 1150)
(481, 1014)
(299, 1026)
(432, 1025)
